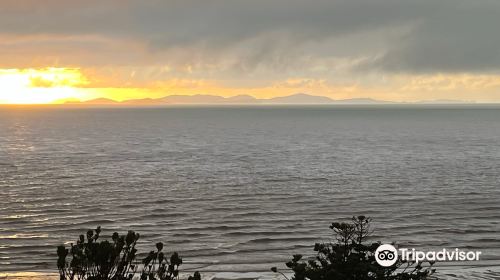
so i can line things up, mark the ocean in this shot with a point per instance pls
(243, 188)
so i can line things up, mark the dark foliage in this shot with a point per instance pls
(348, 257)
(90, 259)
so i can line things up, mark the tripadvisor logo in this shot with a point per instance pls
(387, 255)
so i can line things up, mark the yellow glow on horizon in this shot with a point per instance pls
(39, 86)
(60, 85)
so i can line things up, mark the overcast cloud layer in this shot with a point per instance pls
(223, 36)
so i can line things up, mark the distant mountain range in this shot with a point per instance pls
(299, 98)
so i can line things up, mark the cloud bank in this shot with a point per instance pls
(254, 43)
(388, 35)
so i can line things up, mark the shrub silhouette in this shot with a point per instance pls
(91, 259)
(349, 258)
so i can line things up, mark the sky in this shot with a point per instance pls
(396, 50)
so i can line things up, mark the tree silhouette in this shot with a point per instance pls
(349, 258)
(91, 259)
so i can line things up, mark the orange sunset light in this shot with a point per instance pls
(38, 86)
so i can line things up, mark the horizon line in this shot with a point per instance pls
(292, 99)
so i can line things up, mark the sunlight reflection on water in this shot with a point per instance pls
(242, 189)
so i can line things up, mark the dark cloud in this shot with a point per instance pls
(238, 35)
(458, 36)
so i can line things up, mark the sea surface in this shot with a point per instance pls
(241, 189)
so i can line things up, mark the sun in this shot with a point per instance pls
(40, 86)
